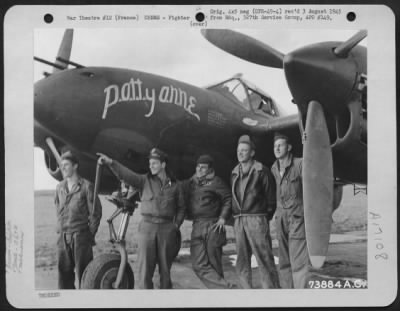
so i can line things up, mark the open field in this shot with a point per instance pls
(349, 217)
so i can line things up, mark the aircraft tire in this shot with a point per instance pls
(101, 273)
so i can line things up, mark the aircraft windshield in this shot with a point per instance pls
(250, 99)
(261, 103)
(234, 90)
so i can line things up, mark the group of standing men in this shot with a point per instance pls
(256, 194)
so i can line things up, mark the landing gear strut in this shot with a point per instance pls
(112, 271)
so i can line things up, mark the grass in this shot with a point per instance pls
(350, 216)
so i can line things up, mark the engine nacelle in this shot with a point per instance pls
(349, 140)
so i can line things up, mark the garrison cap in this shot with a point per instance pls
(245, 139)
(206, 159)
(281, 136)
(68, 155)
(157, 154)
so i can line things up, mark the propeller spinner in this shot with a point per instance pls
(320, 79)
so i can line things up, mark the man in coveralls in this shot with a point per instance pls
(163, 211)
(77, 222)
(253, 205)
(293, 253)
(209, 205)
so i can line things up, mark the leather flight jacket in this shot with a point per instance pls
(259, 197)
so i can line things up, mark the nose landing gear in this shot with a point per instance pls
(112, 271)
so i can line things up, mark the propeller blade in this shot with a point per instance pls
(344, 48)
(64, 52)
(317, 184)
(244, 47)
(54, 150)
(99, 171)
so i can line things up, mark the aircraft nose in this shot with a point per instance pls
(64, 106)
(43, 103)
(316, 73)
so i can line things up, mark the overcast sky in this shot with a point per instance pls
(181, 54)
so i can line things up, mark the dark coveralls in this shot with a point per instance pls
(293, 253)
(77, 226)
(253, 205)
(163, 211)
(208, 199)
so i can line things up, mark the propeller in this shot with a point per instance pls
(64, 52)
(317, 179)
(244, 47)
(344, 49)
(54, 150)
(312, 72)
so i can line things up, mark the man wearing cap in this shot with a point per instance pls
(209, 204)
(162, 209)
(293, 253)
(77, 222)
(253, 205)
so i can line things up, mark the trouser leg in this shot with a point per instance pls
(243, 262)
(83, 252)
(198, 253)
(166, 246)
(298, 252)
(66, 275)
(215, 241)
(147, 254)
(285, 270)
(257, 229)
(206, 255)
(300, 262)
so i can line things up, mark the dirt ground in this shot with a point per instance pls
(346, 259)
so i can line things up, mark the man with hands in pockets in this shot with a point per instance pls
(290, 227)
(77, 222)
(253, 205)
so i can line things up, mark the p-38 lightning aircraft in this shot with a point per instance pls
(124, 113)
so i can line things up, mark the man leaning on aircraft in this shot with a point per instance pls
(293, 254)
(209, 205)
(253, 205)
(162, 209)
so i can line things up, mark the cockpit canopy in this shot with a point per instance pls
(246, 95)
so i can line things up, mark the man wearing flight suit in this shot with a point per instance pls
(293, 253)
(163, 211)
(253, 205)
(209, 204)
(77, 222)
